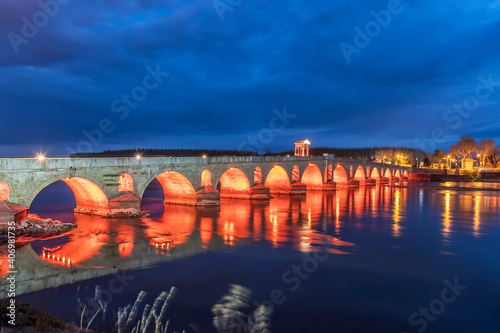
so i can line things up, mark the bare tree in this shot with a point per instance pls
(486, 148)
(464, 148)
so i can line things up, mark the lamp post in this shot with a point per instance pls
(480, 161)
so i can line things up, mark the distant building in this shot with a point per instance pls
(302, 147)
(468, 164)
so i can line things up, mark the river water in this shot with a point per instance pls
(375, 259)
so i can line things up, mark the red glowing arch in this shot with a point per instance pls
(277, 180)
(177, 188)
(405, 173)
(329, 173)
(295, 174)
(312, 177)
(397, 174)
(206, 178)
(4, 192)
(340, 175)
(234, 183)
(375, 174)
(388, 173)
(126, 183)
(257, 175)
(89, 196)
(360, 174)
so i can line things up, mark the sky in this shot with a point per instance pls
(238, 74)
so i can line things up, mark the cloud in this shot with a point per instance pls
(227, 76)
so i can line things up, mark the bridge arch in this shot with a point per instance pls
(375, 174)
(206, 178)
(4, 192)
(360, 174)
(126, 183)
(278, 181)
(340, 175)
(388, 173)
(89, 197)
(177, 189)
(234, 183)
(257, 175)
(312, 177)
(295, 173)
(329, 173)
(397, 173)
(405, 173)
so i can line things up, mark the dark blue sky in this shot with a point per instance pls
(230, 63)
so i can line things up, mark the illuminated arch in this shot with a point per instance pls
(375, 174)
(312, 178)
(257, 175)
(126, 183)
(234, 183)
(277, 180)
(4, 192)
(295, 174)
(360, 174)
(340, 175)
(329, 173)
(89, 197)
(388, 173)
(177, 188)
(405, 173)
(206, 178)
(397, 174)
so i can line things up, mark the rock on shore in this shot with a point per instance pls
(35, 227)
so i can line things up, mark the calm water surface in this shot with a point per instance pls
(358, 260)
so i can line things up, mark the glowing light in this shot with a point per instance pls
(204, 156)
(40, 157)
(307, 141)
(138, 157)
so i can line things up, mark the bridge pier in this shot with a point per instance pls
(298, 188)
(330, 186)
(260, 192)
(208, 196)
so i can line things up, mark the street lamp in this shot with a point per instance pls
(480, 161)
(41, 157)
(448, 161)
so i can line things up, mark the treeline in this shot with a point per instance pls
(166, 152)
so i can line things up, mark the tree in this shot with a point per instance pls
(486, 149)
(464, 148)
(440, 155)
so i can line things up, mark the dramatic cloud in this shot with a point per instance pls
(66, 68)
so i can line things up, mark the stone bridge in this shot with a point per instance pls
(105, 186)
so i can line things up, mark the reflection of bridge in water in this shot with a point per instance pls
(99, 184)
(100, 247)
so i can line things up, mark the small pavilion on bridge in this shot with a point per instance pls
(302, 147)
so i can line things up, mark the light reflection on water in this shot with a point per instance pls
(394, 236)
